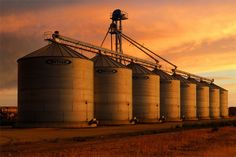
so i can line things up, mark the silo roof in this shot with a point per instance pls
(138, 69)
(163, 75)
(55, 49)
(197, 82)
(181, 78)
(210, 85)
(106, 61)
(216, 86)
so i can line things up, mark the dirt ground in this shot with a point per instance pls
(9, 136)
(218, 142)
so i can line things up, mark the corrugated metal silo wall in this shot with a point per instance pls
(188, 101)
(203, 102)
(113, 95)
(146, 97)
(170, 99)
(224, 103)
(214, 103)
(55, 94)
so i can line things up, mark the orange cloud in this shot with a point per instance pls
(8, 97)
(232, 93)
(197, 36)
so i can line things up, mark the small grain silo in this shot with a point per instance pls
(202, 99)
(214, 100)
(224, 111)
(223, 101)
(188, 98)
(169, 96)
(146, 94)
(113, 91)
(55, 88)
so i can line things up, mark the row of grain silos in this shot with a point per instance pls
(59, 87)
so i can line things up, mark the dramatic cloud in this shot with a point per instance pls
(198, 36)
(14, 46)
(205, 56)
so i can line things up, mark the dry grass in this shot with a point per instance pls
(191, 143)
(24, 135)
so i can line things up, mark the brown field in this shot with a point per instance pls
(207, 142)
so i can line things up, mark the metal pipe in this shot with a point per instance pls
(111, 43)
(77, 42)
(105, 36)
(141, 50)
(193, 75)
(123, 56)
(150, 51)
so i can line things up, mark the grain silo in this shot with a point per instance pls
(55, 88)
(113, 91)
(202, 99)
(224, 113)
(146, 94)
(214, 100)
(169, 96)
(223, 100)
(188, 98)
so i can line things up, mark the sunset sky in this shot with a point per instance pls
(199, 36)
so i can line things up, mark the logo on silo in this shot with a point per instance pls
(106, 71)
(140, 77)
(58, 61)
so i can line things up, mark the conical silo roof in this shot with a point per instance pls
(55, 49)
(216, 86)
(138, 69)
(196, 82)
(213, 85)
(105, 61)
(201, 83)
(181, 78)
(210, 85)
(207, 84)
(163, 75)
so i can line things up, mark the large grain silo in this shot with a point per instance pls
(146, 94)
(55, 88)
(202, 99)
(188, 98)
(214, 100)
(169, 96)
(113, 91)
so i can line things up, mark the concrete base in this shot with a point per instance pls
(53, 125)
(173, 120)
(118, 122)
(204, 118)
(215, 117)
(225, 117)
(148, 121)
(190, 119)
